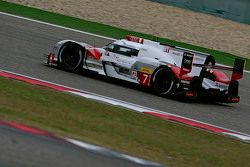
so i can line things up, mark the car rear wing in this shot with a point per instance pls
(183, 57)
(237, 69)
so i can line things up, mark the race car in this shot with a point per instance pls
(167, 70)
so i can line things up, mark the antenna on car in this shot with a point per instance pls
(153, 37)
(157, 39)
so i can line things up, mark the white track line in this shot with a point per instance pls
(65, 28)
(57, 26)
(102, 150)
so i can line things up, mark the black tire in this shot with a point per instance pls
(71, 56)
(196, 84)
(163, 81)
(233, 88)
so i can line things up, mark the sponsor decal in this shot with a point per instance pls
(187, 61)
(177, 53)
(197, 58)
(166, 49)
(146, 70)
(221, 85)
(185, 81)
(134, 74)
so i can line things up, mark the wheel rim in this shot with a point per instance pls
(163, 81)
(70, 57)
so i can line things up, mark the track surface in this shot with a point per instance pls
(21, 149)
(23, 43)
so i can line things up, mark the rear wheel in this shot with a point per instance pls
(233, 88)
(163, 81)
(71, 56)
(196, 84)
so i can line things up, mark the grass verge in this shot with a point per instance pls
(130, 132)
(106, 30)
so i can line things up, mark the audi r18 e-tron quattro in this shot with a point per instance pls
(168, 70)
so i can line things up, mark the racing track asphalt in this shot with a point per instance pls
(23, 43)
(22, 149)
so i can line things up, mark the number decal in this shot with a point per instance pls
(144, 79)
(145, 76)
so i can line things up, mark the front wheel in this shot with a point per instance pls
(163, 81)
(71, 56)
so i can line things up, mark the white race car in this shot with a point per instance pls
(168, 70)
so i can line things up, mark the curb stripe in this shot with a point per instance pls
(23, 128)
(34, 82)
(188, 122)
(87, 146)
(160, 114)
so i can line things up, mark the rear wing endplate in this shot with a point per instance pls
(239, 65)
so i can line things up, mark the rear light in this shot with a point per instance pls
(191, 94)
(233, 99)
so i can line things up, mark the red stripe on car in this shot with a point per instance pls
(94, 53)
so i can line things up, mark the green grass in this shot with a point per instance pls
(106, 30)
(123, 130)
